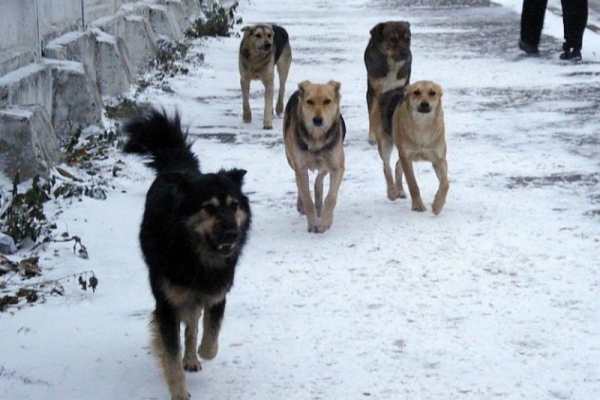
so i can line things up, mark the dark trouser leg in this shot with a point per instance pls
(532, 21)
(575, 15)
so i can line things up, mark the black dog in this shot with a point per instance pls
(192, 234)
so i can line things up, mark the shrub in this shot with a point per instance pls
(217, 21)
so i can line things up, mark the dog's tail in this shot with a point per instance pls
(159, 136)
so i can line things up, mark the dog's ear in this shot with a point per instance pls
(336, 86)
(235, 174)
(302, 86)
(247, 30)
(377, 31)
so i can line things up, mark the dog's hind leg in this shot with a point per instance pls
(370, 97)
(398, 178)
(165, 341)
(385, 147)
(190, 355)
(247, 112)
(213, 316)
(441, 170)
(413, 187)
(319, 192)
(283, 69)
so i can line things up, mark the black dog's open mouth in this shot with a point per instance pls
(224, 249)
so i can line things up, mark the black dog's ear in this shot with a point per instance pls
(235, 174)
(377, 31)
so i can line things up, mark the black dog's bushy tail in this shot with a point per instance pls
(154, 133)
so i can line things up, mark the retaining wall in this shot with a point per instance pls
(59, 58)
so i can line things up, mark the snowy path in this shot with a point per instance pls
(496, 298)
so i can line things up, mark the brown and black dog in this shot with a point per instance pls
(263, 48)
(313, 132)
(388, 60)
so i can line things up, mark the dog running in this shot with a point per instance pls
(419, 134)
(313, 133)
(263, 48)
(192, 234)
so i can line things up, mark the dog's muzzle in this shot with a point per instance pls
(265, 47)
(424, 107)
(225, 242)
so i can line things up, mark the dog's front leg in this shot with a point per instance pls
(190, 356)
(441, 170)
(165, 327)
(319, 191)
(375, 123)
(213, 316)
(413, 187)
(269, 92)
(247, 113)
(307, 202)
(335, 182)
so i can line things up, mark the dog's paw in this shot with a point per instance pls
(394, 194)
(437, 206)
(417, 205)
(279, 109)
(184, 397)
(315, 229)
(371, 139)
(267, 126)
(208, 349)
(247, 117)
(191, 363)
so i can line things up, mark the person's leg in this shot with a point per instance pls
(575, 15)
(532, 22)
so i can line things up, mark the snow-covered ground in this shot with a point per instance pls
(495, 298)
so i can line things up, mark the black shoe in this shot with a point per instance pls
(571, 55)
(530, 49)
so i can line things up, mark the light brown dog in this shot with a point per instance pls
(263, 48)
(419, 134)
(313, 132)
(388, 60)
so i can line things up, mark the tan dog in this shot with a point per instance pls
(263, 48)
(419, 134)
(388, 61)
(313, 132)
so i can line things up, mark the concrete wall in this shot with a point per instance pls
(59, 58)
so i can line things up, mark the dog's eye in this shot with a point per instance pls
(327, 101)
(417, 92)
(258, 35)
(269, 35)
(310, 102)
(234, 205)
(432, 93)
